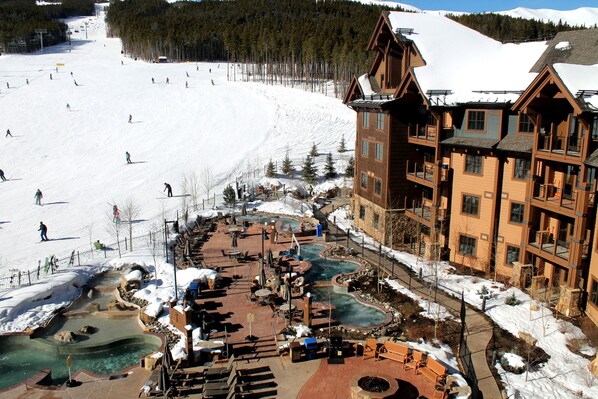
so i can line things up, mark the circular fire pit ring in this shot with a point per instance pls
(373, 386)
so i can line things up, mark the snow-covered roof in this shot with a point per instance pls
(581, 81)
(462, 65)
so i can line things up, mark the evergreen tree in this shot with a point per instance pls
(329, 169)
(287, 165)
(270, 169)
(309, 170)
(342, 145)
(314, 151)
(230, 197)
(350, 169)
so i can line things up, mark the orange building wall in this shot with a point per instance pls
(478, 227)
(513, 190)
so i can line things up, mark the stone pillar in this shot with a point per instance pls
(569, 301)
(520, 274)
(307, 300)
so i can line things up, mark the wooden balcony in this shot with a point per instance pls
(425, 172)
(553, 198)
(542, 244)
(422, 134)
(422, 213)
(551, 146)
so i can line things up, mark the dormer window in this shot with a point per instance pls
(476, 120)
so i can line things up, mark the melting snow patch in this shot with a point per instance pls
(514, 360)
(563, 46)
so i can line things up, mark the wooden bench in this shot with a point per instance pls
(433, 370)
(394, 351)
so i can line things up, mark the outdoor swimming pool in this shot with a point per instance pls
(348, 310)
(261, 219)
(323, 269)
(117, 341)
(21, 358)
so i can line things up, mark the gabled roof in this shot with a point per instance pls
(582, 82)
(462, 65)
(571, 47)
(578, 84)
(370, 96)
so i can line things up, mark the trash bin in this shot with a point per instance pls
(319, 230)
(295, 349)
(311, 347)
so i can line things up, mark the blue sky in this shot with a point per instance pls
(498, 5)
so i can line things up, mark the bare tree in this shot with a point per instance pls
(206, 177)
(129, 213)
(185, 183)
(154, 245)
(194, 189)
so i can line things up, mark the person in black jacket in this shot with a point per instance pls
(43, 231)
(168, 189)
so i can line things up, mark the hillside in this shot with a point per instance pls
(77, 157)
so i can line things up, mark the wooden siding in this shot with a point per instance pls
(591, 309)
(480, 226)
(513, 190)
(399, 152)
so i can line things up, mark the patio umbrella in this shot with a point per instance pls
(270, 259)
(262, 275)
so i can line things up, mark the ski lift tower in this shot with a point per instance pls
(41, 32)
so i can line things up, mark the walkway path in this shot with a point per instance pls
(479, 328)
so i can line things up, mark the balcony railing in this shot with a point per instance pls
(422, 132)
(423, 210)
(545, 242)
(425, 171)
(557, 196)
(563, 145)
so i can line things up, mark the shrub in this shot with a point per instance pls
(512, 300)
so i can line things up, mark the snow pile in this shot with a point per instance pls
(153, 309)
(135, 275)
(563, 46)
(431, 310)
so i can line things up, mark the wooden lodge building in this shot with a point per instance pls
(482, 153)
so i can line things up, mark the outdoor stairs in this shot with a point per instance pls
(250, 351)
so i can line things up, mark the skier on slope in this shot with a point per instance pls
(8, 133)
(168, 189)
(43, 231)
(2, 175)
(38, 197)
(130, 118)
(128, 157)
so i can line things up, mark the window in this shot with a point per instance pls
(361, 212)
(364, 148)
(517, 212)
(473, 164)
(525, 124)
(594, 293)
(595, 128)
(467, 245)
(476, 120)
(380, 121)
(512, 254)
(377, 186)
(376, 220)
(378, 152)
(366, 119)
(470, 205)
(364, 180)
(522, 167)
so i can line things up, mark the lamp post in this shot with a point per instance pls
(166, 223)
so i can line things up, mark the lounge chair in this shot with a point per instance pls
(370, 349)
(216, 372)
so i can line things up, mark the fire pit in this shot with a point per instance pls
(367, 386)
